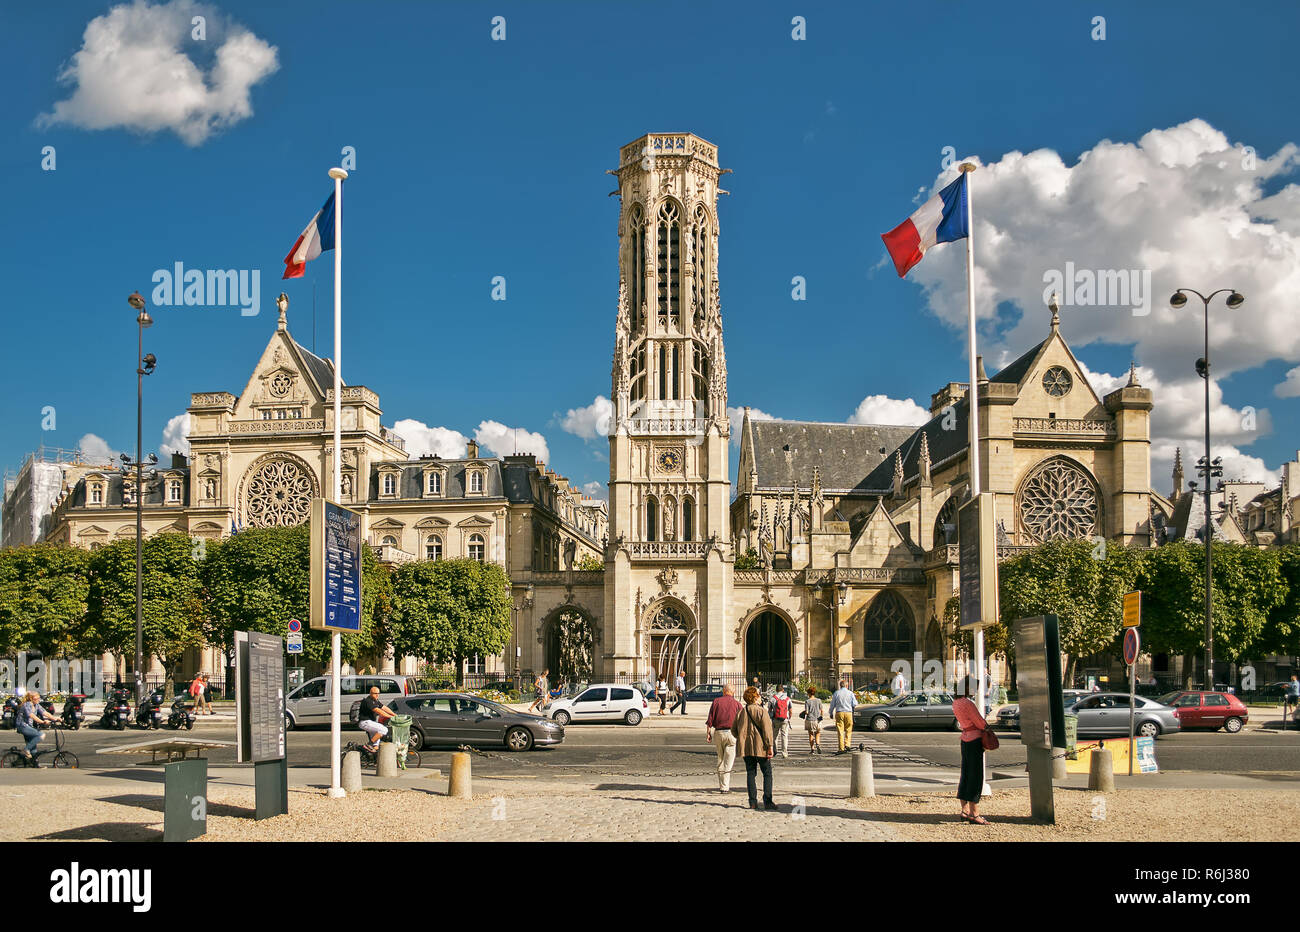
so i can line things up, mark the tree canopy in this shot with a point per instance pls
(447, 610)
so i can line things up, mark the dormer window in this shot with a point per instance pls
(476, 482)
(174, 491)
(435, 484)
(390, 484)
(96, 493)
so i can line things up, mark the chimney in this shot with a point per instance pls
(471, 450)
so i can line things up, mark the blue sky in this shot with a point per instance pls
(478, 158)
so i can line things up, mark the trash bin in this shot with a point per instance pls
(1071, 736)
(399, 729)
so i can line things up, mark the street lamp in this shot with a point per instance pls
(145, 366)
(527, 603)
(1207, 466)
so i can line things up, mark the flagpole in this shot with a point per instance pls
(336, 482)
(973, 395)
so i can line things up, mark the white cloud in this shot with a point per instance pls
(1183, 204)
(736, 415)
(1290, 388)
(140, 68)
(590, 422)
(174, 436)
(881, 409)
(95, 449)
(422, 440)
(1178, 420)
(503, 441)
(595, 489)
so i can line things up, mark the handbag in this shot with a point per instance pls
(989, 739)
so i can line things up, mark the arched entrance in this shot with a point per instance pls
(568, 645)
(769, 653)
(670, 640)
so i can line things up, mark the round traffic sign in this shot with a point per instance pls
(294, 625)
(1132, 643)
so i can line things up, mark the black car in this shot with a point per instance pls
(454, 719)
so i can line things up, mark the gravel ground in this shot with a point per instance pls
(1081, 815)
(650, 813)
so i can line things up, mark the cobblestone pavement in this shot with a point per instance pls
(638, 813)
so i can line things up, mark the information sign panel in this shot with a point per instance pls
(335, 567)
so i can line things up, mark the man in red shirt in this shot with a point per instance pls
(717, 730)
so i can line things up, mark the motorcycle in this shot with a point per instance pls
(10, 714)
(181, 716)
(149, 714)
(117, 710)
(73, 713)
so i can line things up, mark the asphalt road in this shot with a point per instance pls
(658, 747)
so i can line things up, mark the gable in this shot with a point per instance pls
(286, 375)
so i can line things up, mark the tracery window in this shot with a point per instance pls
(1057, 382)
(1058, 501)
(669, 265)
(700, 237)
(636, 266)
(278, 493)
(688, 518)
(636, 371)
(947, 516)
(700, 377)
(651, 519)
(888, 629)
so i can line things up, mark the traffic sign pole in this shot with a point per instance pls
(1132, 647)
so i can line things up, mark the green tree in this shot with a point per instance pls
(258, 580)
(748, 560)
(1068, 579)
(590, 563)
(997, 637)
(1281, 634)
(172, 604)
(43, 592)
(447, 610)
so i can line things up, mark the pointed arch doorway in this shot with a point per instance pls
(769, 649)
(671, 643)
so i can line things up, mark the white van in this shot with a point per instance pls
(309, 704)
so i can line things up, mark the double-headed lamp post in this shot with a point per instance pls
(1209, 467)
(144, 366)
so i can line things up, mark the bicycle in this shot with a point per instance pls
(368, 758)
(14, 757)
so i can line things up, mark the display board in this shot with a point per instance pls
(259, 696)
(978, 570)
(335, 567)
(1038, 682)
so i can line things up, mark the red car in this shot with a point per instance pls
(1198, 709)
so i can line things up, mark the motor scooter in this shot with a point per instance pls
(9, 717)
(117, 710)
(73, 712)
(182, 716)
(149, 713)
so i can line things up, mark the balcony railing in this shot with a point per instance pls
(285, 426)
(1088, 426)
(666, 549)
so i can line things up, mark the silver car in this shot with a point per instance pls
(1009, 715)
(309, 704)
(913, 710)
(1106, 715)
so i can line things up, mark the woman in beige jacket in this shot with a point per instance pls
(753, 731)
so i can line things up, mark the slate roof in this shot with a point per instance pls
(1017, 370)
(785, 452)
(320, 370)
(410, 483)
(943, 444)
(1189, 518)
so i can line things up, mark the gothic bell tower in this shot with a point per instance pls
(668, 567)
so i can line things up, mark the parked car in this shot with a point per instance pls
(1009, 715)
(1106, 715)
(914, 710)
(601, 702)
(309, 704)
(1215, 710)
(454, 719)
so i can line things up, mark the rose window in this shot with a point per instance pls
(278, 494)
(281, 384)
(1057, 382)
(1058, 502)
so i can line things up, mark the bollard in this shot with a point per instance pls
(458, 785)
(351, 777)
(862, 782)
(1058, 764)
(1101, 771)
(386, 760)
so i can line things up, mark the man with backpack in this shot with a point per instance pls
(779, 709)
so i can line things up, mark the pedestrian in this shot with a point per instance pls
(898, 685)
(992, 699)
(681, 694)
(842, 704)
(661, 690)
(972, 759)
(1293, 692)
(717, 731)
(543, 687)
(196, 693)
(207, 693)
(812, 720)
(753, 731)
(779, 708)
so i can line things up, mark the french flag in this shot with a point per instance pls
(316, 239)
(941, 219)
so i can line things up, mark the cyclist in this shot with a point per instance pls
(371, 719)
(30, 715)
